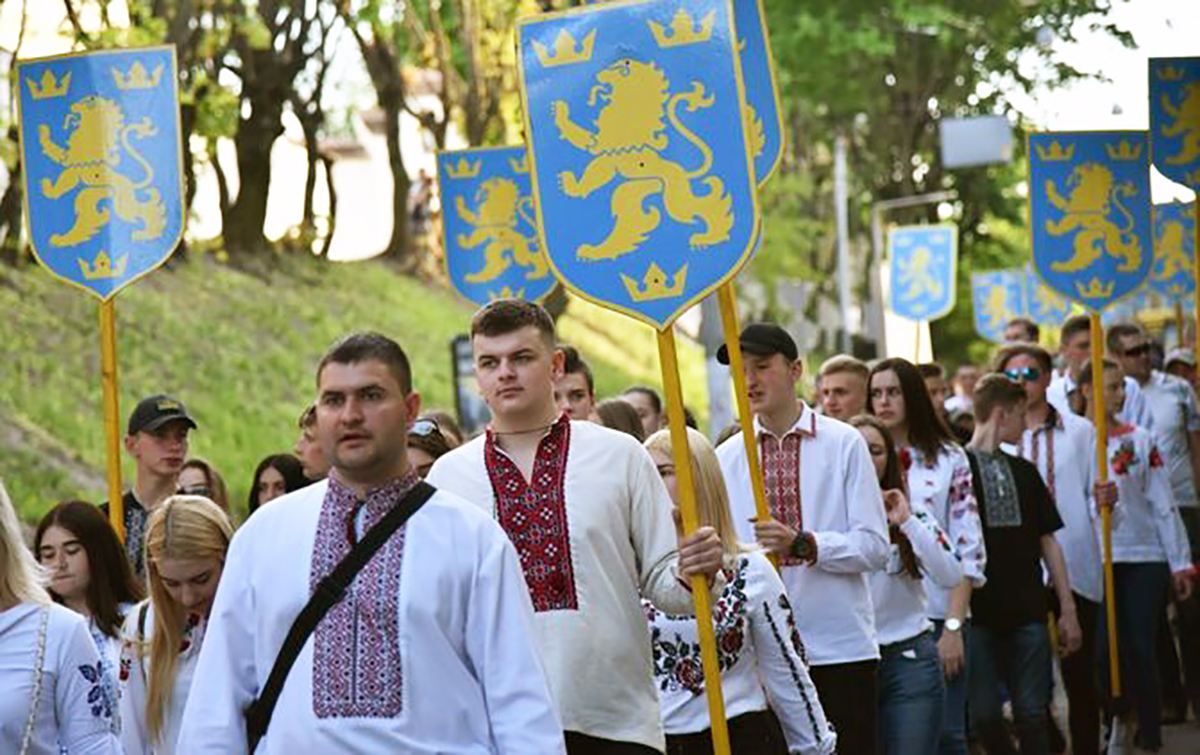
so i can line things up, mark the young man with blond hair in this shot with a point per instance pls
(843, 385)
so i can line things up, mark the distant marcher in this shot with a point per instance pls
(198, 477)
(963, 385)
(1075, 347)
(1021, 330)
(843, 387)
(575, 388)
(619, 414)
(934, 376)
(962, 425)
(1182, 364)
(275, 476)
(307, 450)
(50, 672)
(649, 406)
(186, 540)
(447, 426)
(89, 574)
(426, 444)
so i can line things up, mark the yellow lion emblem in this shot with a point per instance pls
(1187, 123)
(629, 135)
(1172, 258)
(1093, 194)
(98, 136)
(498, 204)
(995, 307)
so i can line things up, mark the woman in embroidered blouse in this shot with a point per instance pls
(1150, 552)
(50, 672)
(938, 476)
(911, 688)
(89, 574)
(758, 644)
(186, 541)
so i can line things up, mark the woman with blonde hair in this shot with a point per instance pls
(186, 541)
(757, 641)
(49, 668)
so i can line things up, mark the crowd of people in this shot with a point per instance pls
(932, 555)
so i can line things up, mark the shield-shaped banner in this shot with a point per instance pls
(1043, 305)
(642, 172)
(924, 266)
(1174, 250)
(763, 113)
(101, 147)
(997, 296)
(1175, 118)
(1089, 196)
(489, 225)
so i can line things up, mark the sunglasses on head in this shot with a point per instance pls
(195, 490)
(423, 427)
(1023, 373)
(1138, 351)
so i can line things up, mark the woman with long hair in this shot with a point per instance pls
(89, 574)
(198, 477)
(275, 476)
(757, 641)
(938, 476)
(53, 699)
(911, 687)
(186, 541)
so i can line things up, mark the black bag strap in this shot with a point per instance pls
(328, 592)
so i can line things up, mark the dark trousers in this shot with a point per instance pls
(754, 733)
(1141, 593)
(1080, 679)
(848, 692)
(1177, 692)
(1020, 658)
(582, 744)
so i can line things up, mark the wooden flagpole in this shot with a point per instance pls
(1100, 420)
(112, 418)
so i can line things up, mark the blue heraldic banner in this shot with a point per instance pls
(101, 146)
(642, 166)
(489, 225)
(924, 269)
(1043, 305)
(997, 296)
(764, 116)
(1175, 118)
(1173, 275)
(1089, 196)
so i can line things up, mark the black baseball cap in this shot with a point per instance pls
(154, 412)
(762, 339)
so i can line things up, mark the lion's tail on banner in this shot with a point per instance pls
(141, 130)
(525, 210)
(694, 100)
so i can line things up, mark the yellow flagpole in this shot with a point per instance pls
(112, 419)
(691, 520)
(917, 355)
(1100, 420)
(729, 321)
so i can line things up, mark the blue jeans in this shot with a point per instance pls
(1019, 658)
(953, 740)
(912, 692)
(1141, 595)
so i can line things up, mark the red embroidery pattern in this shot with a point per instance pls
(535, 517)
(781, 481)
(357, 670)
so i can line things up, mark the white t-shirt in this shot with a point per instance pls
(1172, 402)
(74, 714)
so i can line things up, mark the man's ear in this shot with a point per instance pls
(413, 403)
(558, 361)
(796, 370)
(130, 442)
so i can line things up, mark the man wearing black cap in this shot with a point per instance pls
(157, 439)
(827, 526)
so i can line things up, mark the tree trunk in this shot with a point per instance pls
(254, 138)
(10, 217)
(398, 249)
(327, 162)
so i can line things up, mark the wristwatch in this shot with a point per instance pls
(803, 547)
(953, 625)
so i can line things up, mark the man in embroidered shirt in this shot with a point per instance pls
(431, 648)
(592, 523)
(157, 439)
(1075, 347)
(828, 526)
(843, 387)
(1063, 448)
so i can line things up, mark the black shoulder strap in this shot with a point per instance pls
(328, 592)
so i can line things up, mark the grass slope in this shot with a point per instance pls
(239, 349)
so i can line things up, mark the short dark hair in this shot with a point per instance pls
(308, 417)
(288, 467)
(367, 347)
(503, 316)
(650, 394)
(574, 364)
(931, 370)
(996, 391)
(1032, 331)
(1085, 374)
(1074, 324)
(1121, 330)
(619, 414)
(1032, 350)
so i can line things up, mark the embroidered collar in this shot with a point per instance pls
(556, 429)
(345, 501)
(805, 425)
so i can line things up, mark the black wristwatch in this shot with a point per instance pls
(803, 547)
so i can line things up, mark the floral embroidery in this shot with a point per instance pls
(781, 481)
(1124, 458)
(1156, 459)
(97, 698)
(798, 646)
(534, 515)
(357, 668)
(126, 665)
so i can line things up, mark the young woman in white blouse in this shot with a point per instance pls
(186, 541)
(938, 476)
(757, 642)
(50, 671)
(911, 687)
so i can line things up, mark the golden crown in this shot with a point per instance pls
(654, 284)
(1170, 73)
(566, 50)
(506, 293)
(102, 268)
(1126, 150)
(1055, 153)
(683, 30)
(519, 164)
(51, 87)
(1095, 289)
(464, 168)
(137, 78)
